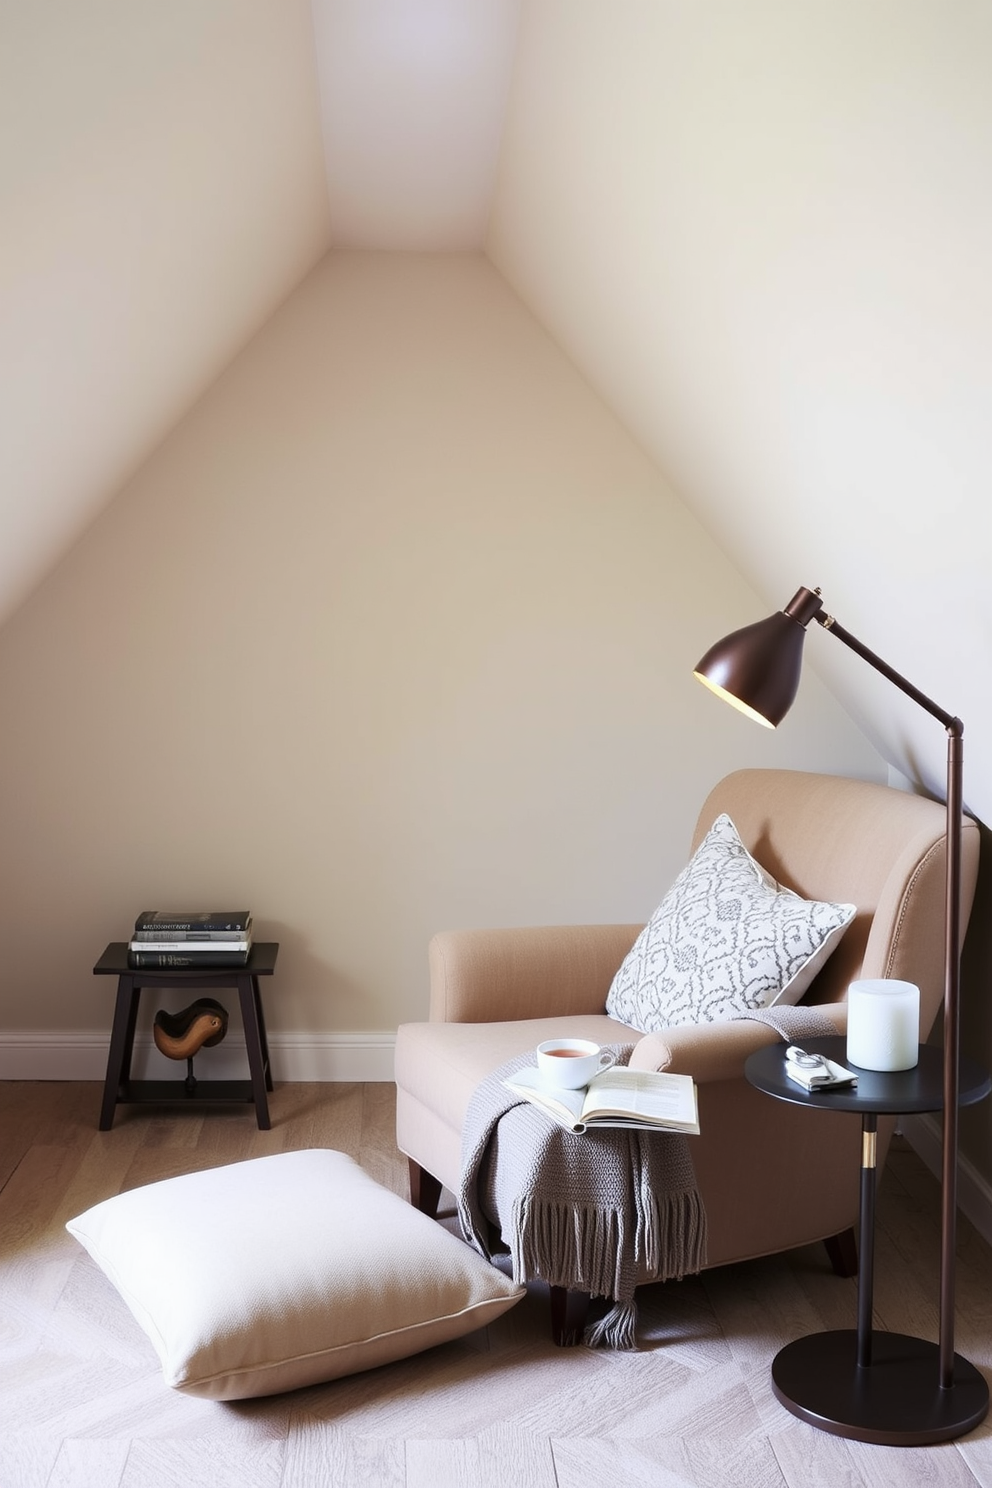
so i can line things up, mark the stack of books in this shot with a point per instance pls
(212, 937)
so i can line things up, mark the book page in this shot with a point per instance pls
(644, 1094)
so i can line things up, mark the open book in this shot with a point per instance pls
(644, 1099)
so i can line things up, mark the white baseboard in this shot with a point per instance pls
(68, 1055)
(923, 1133)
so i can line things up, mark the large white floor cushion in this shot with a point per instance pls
(284, 1271)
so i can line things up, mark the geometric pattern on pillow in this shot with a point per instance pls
(725, 940)
(285, 1271)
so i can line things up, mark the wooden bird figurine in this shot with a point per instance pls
(181, 1035)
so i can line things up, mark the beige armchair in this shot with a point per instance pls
(771, 1175)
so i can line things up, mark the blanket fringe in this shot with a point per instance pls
(583, 1246)
(674, 1243)
(574, 1246)
(616, 1330)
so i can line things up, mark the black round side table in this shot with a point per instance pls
(862, 1383)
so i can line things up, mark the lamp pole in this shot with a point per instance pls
(952, 982)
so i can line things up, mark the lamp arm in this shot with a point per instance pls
(947, 719)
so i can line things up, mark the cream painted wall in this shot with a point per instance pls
(162, 190)
(393, 633)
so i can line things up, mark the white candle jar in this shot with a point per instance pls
(883, 1024)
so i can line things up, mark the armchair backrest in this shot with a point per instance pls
(882, 849)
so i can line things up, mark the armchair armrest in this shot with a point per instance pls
(714, 1051)
(499, 976)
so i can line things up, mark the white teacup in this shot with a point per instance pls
(572, 1062)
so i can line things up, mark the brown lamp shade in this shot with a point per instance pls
(757, 669)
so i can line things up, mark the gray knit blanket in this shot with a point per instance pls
(601, 1212)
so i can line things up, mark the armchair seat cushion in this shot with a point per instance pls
(444, 1062)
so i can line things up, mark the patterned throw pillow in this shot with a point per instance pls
(726, 939)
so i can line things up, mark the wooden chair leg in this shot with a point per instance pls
(425, 1189)
(568, 1315)
(843, 1252)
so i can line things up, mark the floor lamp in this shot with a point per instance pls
(757, 670)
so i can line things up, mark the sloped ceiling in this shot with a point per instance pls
(763, 232)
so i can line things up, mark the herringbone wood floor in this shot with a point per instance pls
(82, 1403)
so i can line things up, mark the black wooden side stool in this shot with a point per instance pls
(120, 1089)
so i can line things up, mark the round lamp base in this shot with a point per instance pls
(895, 1401)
